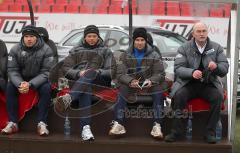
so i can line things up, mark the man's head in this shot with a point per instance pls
(140, 38)
(30, 35)
(91, 35)
(200, 33)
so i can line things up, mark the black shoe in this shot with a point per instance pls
(210, 138)
(172, 137)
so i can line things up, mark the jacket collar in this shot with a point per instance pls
(148, 50)
(195, 48)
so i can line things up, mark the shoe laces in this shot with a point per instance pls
(42, 125)
(11, 125)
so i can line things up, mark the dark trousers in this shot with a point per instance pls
(44, 92)
(193, 90)
(81, 92)
(123, 97)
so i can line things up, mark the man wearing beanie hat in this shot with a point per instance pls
(140, 70)
(88, 65)
(29, 63)
(3, 65)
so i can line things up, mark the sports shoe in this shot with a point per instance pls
(10, 128)
(87, 133)
(210, 138)
(117, 129)
(63, 102)
(156, 131)
(42, 129)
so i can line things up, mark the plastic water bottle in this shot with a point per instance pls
(189, 130)
(67, 128)
(219, 130)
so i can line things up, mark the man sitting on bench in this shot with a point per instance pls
(140, 69)
(197, 67)
(88, 64)
(29, 63)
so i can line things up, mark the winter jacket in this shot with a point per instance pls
(83, 57)
(30, 64)
(188, 60)
(151, 67)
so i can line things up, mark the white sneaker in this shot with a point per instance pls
(117, 129)
(87, 133)
(10, 128)
(42, 129)
(63, 102)
(156, 131)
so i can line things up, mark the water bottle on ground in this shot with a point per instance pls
(189, 130)
(67, 128)
(219, 130)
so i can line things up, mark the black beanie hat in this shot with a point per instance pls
(91, 29)
(30, 30)
(140, 32)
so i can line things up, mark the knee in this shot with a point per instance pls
(45, 88)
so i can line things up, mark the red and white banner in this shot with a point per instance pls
(59, 25)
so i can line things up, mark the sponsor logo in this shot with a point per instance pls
(182, 27)
(12, 25)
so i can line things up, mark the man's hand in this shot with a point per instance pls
(212, 66)
(134, 84)
(81, 73)
(24, 87)
(197, 74)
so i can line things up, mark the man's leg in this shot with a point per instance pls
(12, 102)
(180, 100)
(44, 101)
(215, 98)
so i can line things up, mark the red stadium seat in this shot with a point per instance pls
(186, 9)
(173, 9)
(26, 8)
(144, 7)
(62, 2)
(115, 9)
(7, 2)
(15, 8)
(86, 9)
(126, 10)
(216, 12)
(3, 7)
(36, 2)
(101, 9)
(201, 9)
(44, 8)
(58, 8)
(22, 2)
(89, 2)
(158, 8)
(75, 2)
(227, 9)
(72, 9)
(47, 2)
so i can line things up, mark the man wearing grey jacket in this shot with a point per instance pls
(198, 66)
(28, 67)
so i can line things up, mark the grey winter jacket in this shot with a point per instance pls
(84, 57)
(30, 64)
(188, 60)
(151, 68)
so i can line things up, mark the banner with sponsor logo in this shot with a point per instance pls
(59, 25)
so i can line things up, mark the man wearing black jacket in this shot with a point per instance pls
(28, 67)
